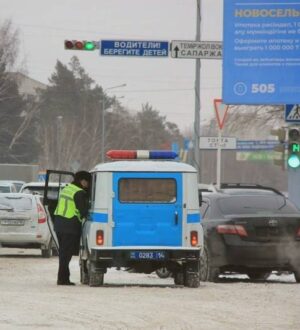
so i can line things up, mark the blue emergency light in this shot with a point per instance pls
(141, 154)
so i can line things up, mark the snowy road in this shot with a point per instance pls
(30, 299)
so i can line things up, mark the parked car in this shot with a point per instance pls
(249, 229)
(39, 188)
(23, 223)
(11, 185)
(7, 187)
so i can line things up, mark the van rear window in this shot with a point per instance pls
(135, 190)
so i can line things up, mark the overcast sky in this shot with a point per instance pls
(167, 83)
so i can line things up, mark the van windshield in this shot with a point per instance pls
(135, 190)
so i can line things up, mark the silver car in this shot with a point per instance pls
(23, 223)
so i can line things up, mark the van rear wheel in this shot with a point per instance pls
(192, 275)
(84, 275)
(96, 278)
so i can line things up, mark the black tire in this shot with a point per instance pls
(84, 275)
(192, 275)
(258, 275)
(297, 275)
(163, 272)
(55, 252)
(96, 278)
(203, 266)
(192, 280)
(179, 278)
(207, 272)
(47, 253)
(213, 274)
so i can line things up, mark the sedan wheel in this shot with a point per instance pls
(258, 276)
(207, 272)
(204, 266)
(297, 276)
(47, 252)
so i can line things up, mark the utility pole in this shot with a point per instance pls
(197, 99)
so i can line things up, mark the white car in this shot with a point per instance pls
(39, 188)
(7, 187)
(23, 223)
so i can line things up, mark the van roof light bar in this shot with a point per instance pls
(141, 154)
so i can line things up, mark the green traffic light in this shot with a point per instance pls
(296, 147)
(294, 161)
(89, 45)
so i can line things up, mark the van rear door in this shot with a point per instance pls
(147, 209)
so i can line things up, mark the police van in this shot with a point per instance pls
(144, 215)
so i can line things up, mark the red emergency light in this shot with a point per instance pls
(141, 154)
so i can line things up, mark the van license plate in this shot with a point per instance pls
(12, 222)
(147, 255)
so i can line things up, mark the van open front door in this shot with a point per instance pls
(147, 209)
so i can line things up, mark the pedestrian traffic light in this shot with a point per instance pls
(294, 148)
(279, 158)
(81, 45)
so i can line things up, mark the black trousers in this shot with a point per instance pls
(68, 244)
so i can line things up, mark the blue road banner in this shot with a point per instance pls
(134, 48)
(252, 145)
(261, 52)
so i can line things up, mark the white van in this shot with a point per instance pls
(145, 215)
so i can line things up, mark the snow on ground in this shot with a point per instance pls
(30, 299)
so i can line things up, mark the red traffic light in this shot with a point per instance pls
(78, 45)
(69, 44)
(81, 45)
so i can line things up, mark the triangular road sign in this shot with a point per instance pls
(292, 112)
(221, 112)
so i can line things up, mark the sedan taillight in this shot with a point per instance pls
(298, 232)
(41, 214)
(232, 230)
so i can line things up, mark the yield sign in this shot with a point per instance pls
(221, 111)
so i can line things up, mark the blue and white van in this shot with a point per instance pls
(144, 214)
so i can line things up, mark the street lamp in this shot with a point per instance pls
(103, 118)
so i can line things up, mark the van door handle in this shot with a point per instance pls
(176, 218)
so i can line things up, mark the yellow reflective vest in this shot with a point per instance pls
(66, 205)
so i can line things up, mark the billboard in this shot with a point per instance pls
(261, 52)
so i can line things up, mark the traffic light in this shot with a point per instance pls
(294, 148)
(81, 45)
(280, 147)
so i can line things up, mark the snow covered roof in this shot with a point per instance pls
(144, 166)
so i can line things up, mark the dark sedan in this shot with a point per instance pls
(253, 233)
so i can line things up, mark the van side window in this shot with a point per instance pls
(135, 190)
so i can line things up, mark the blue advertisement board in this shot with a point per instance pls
(139, 48)
(261, 52)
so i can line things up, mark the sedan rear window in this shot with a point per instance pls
(256, 205)
(15, 203)
(4, 189)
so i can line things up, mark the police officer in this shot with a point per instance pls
(72, 207)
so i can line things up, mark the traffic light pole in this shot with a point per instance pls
(197, 100)
(294, 186)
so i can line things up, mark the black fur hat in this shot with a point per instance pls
(82, 175)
